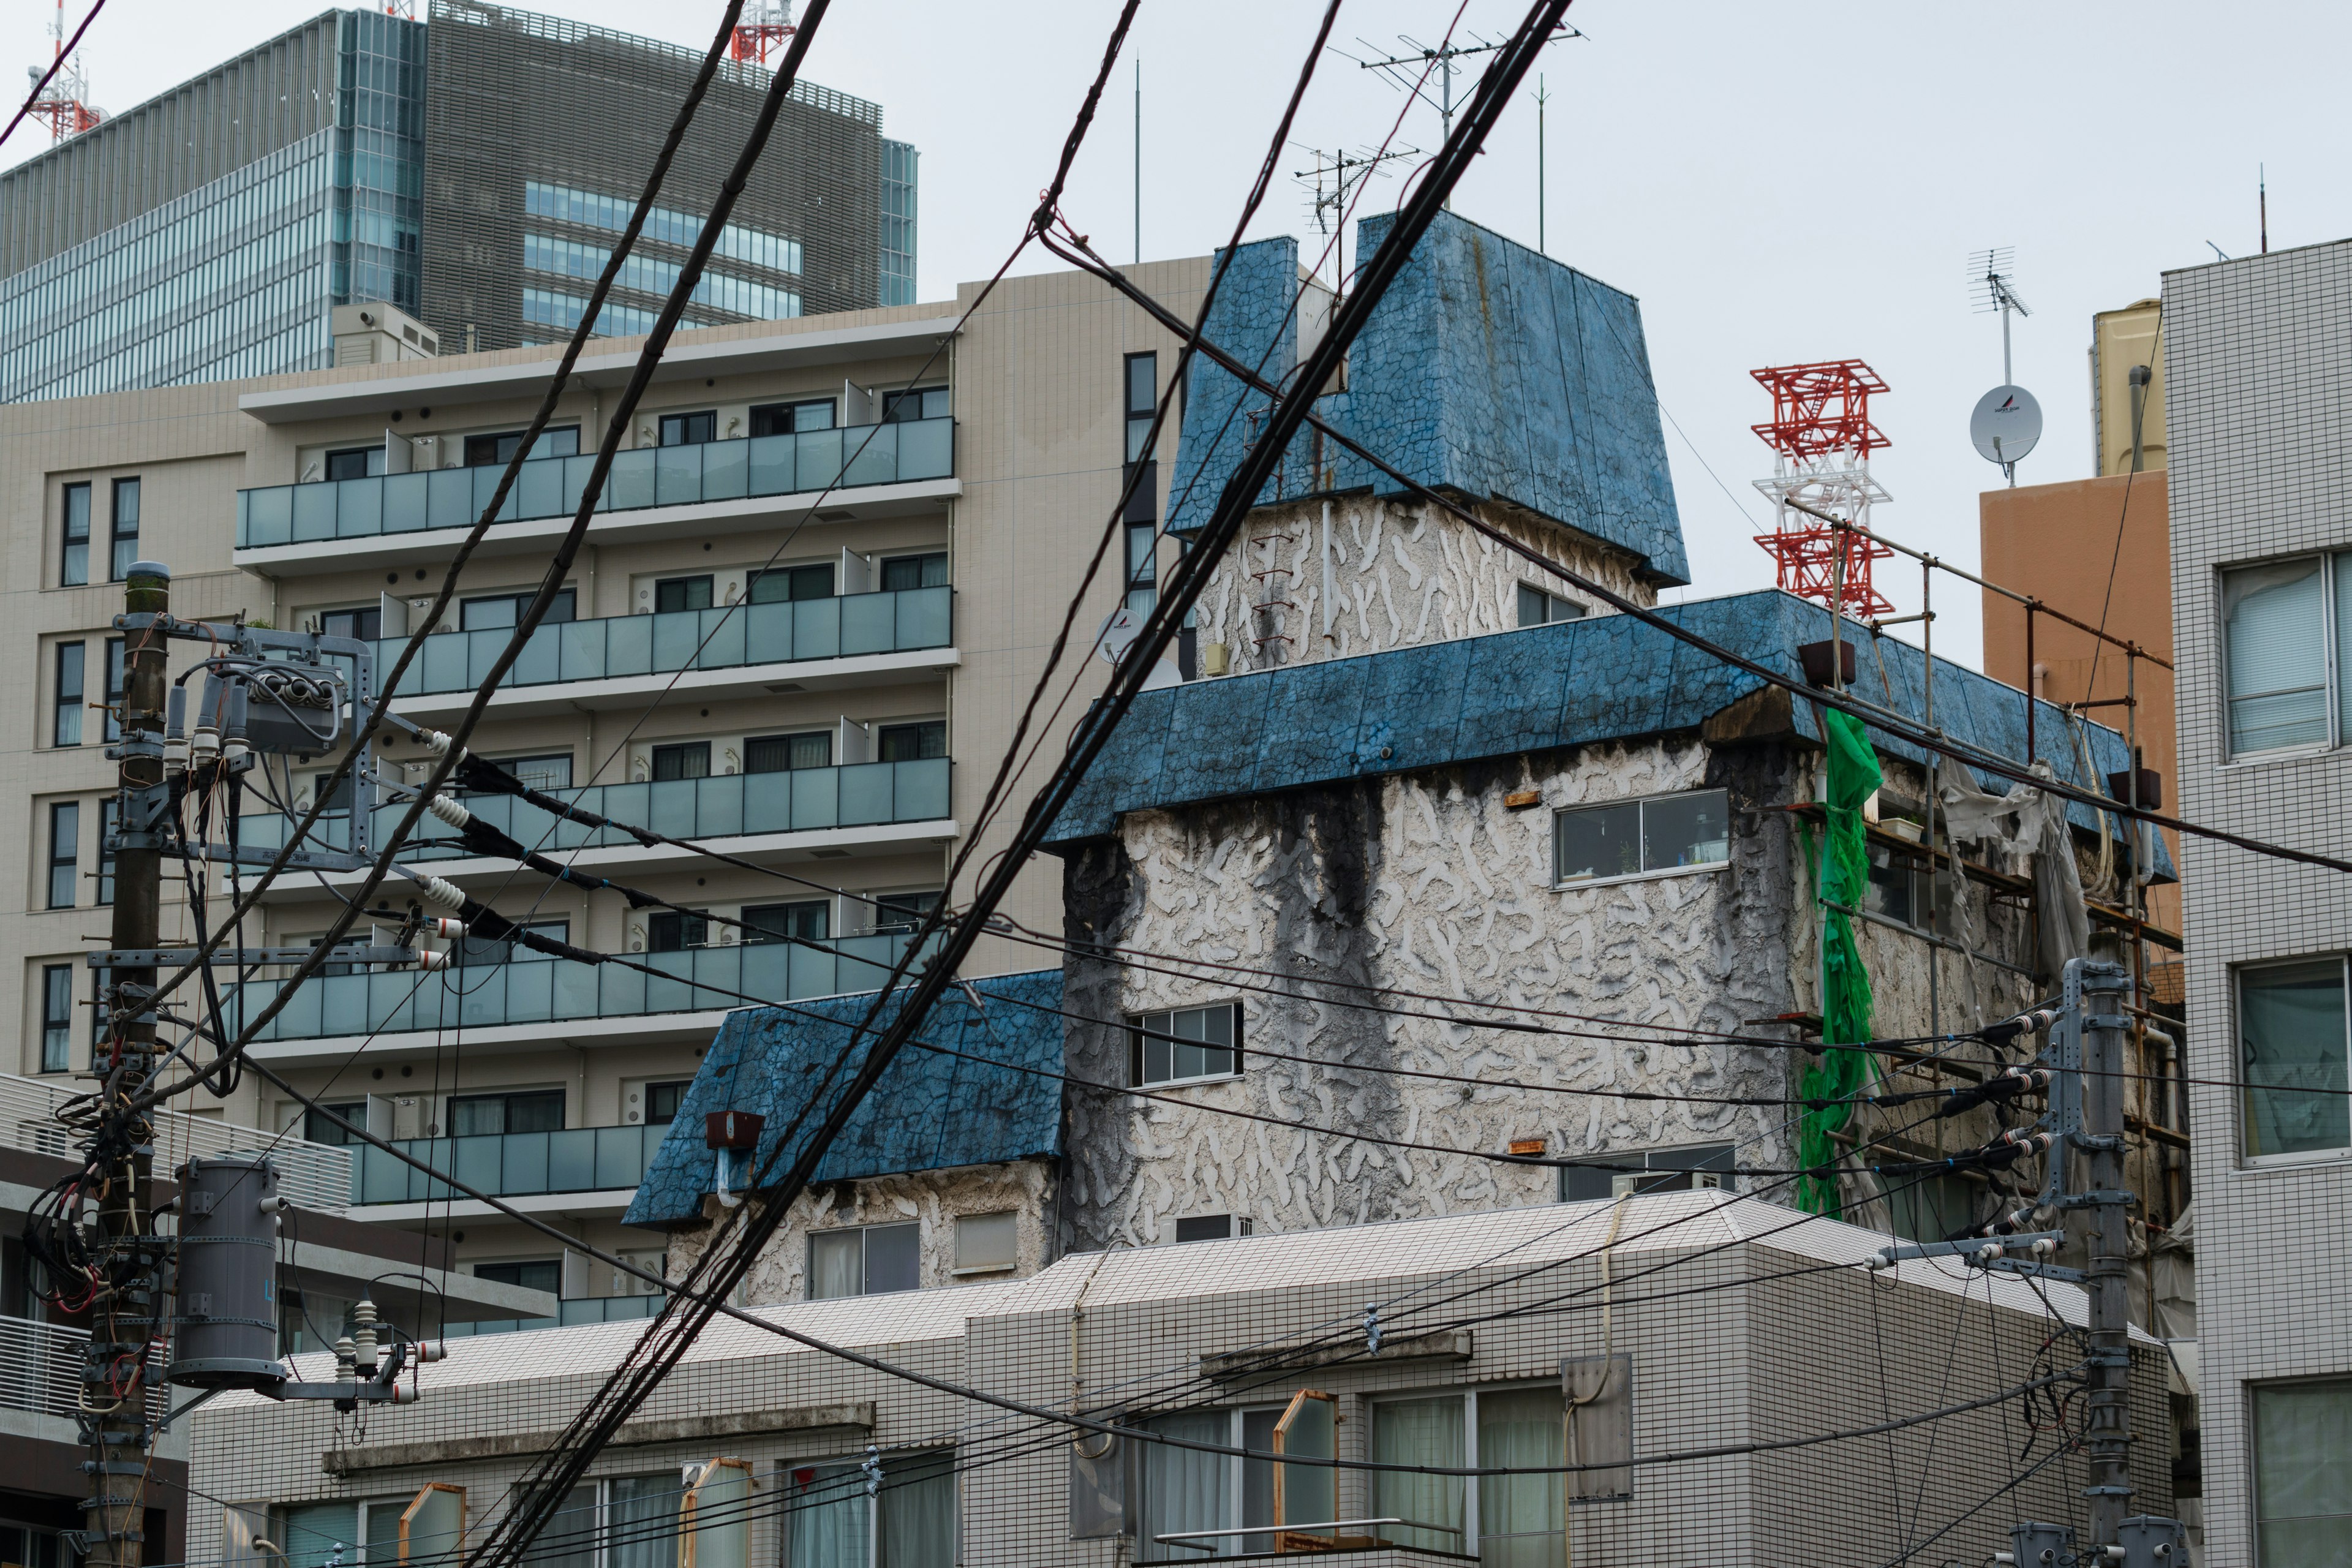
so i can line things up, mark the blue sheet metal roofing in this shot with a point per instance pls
(928, 1111)
(1607, 677)
(1487, 368)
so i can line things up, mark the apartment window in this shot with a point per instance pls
(662, 1100)
(830, 1522)
(1143, 566)
(987, 1242)
(1933, 1208)
(687, 759)
(811, 919)
(2302, 1471)
(65, 848)
(789, 419)
(689, 429)
(1636, 838)
(31, 1547)
(1614, 1173)
(921, 403)
(2292, 1039)
(124, 539)
(1211, 1228)
(675, 930)
(902, 572)
(105, 827)
(56, 1016)
(1142, 384)
(1187, 1043)
(783, 584)
(531, 1111)
(556, 441)
(492, 611)
(117, 691)
(355, 463)
(899, 913)
(1538, 608)
(787, 754)
(73, 565)
(864, 1260)
(672, 594)
(66, 726)
(361, 622)
(534, 1274)
(1507, 1519)
(2286, 644)
(474, 951)
(1186, 1490)
(318, 1129)
(912, 743)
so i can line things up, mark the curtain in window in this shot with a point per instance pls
(644, 1523)
(2302, 1471)
(826, 1527)
(383, 1531)
(2277, 650)
(570, 1539)
(836, 1264)
(1184, 1488)
(1418, 1431)
(312, 1533)
(1519, 1516)
(2292, 1030)
(918, 1511)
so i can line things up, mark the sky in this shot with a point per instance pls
(1776, 184)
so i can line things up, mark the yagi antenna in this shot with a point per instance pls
(2007, 421)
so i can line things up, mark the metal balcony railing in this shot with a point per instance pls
(41, 1365)
(859, 795)
(785, 633)
(547, 991)
(509, 1164)
(315, 1176)
(844, 458)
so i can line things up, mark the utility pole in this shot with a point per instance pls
(2103, 1224)
(125, 1312)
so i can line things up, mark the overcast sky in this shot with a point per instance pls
(1775, 182)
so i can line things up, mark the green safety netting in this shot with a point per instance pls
(1844, 870)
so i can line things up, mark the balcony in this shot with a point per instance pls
(40, 1369)
(506, 1166)
(546, 1000)
(854, 639)
(574, 1310)
(312, 1175)
(717, 486)
(879, 807)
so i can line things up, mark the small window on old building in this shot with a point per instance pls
(1187, 1043)
(1210, 1227)
(1538, 608)
(865, 1260)
(986, 1243)
(1639, 1170)
(1689, 831)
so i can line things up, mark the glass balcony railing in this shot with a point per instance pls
(857, 795)
(507, 1164)
(844, 458)
(557, 990)
(854, 624)
(575, 1310)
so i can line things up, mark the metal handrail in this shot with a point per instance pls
(315, 1176)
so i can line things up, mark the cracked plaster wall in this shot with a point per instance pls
(1402, 573)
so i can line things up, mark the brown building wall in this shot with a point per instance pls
(2061, 543)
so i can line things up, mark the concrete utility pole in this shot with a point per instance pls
(2104, 1224)
(126, 1310)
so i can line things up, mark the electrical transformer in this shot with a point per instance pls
(227, 1328)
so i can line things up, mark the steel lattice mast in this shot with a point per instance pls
(1821, 439)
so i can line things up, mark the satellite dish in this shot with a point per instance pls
(2006, 424)
(1117, 635)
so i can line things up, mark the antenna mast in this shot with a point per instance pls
(1821, 439)
(1443, 57)
(1335, 174)
(65, 104)
(2007, 422)
(764, 27)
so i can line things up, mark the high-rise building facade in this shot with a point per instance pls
(472, 170)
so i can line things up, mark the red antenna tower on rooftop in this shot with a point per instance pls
(64, 102)
(763, 29)
(1821, 439)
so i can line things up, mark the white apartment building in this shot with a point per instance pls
(2261, 563)
(818, 588)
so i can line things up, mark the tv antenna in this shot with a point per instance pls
(1335, 177)
(2007, 421)
(1396, 68)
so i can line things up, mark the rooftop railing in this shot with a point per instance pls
(799, 800)
(559, 990)
(575, 1310)
(509, 1164)
(786, 632)
(848, 458)
(315, 1176)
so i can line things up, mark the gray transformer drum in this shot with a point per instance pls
(227, 1334)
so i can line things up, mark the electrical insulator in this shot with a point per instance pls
(430, 1351)
(405, 1393)
(363, 1351)
(446, 926)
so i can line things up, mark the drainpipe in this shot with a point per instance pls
(1327, 572)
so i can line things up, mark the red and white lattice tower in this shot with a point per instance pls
(1821, 439)
(64, 102)
(765, 25)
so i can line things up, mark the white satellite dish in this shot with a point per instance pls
(2006, 424)
(1117, 635)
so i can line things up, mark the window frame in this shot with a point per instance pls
(1469, 1541)
(1577, 610)
(55, 1029)
(546, 437)
(1705, 868)
(892, 401)
(864, 1259)
(1136, 421)
(682, 421)
(116, 674)
(1134, 1028)
(920, 729)
(64, 853)
(2254, 1390)
(709, 582)
(2238, 976)
(505, 1099)
(2332, 689)
(61, 701)
(68, 539)
(118, 567)
(678, 749)
(790, 411)
(1726, 1153)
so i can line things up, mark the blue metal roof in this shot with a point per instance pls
(1487, 368)
(928, 1111)
(1606, 677)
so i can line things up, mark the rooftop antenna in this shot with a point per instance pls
(761, 31)
(1542, 97)
(1822, 438)
(65, 104)
(1443, 56)
(1139, 161)
(1335, 174)
(2262, 196)
(2007, 421)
